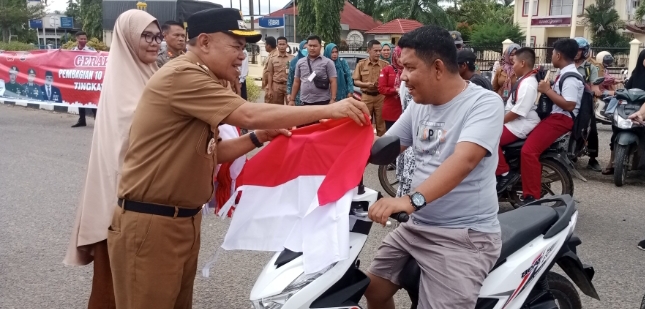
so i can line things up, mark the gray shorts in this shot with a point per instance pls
(453, 262)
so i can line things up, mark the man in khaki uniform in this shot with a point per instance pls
(278, 70)
(270, 47)
(167, 174)
(366, 77)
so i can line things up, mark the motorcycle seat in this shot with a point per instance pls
(632, 95)
(516, 144)
(519, 227)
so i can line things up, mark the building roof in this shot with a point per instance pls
(396, 26)
(351, 16)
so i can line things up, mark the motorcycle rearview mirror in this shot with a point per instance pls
(599, 81)
(385, 150)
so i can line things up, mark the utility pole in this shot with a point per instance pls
(529, 23)
(574, 19)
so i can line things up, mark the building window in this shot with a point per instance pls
(632, 5)
(563, 7)
(525, 9)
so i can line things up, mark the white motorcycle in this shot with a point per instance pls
(534, 238)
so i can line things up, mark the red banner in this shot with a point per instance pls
(55, 77)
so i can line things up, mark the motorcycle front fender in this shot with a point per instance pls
(566, 162)
(626, 138)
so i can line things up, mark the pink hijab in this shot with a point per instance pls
(507, 66)
(123, 83)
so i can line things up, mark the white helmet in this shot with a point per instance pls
(601, 55)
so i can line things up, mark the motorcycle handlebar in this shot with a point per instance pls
(400, 216)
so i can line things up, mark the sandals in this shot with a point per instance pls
(608, 171)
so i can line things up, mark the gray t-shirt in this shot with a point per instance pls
(323, 66)
(476, 115)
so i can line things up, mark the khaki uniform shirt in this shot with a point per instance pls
(279, 68)
(173, 138)
(265, 72)
(165, 55)
(368, 72)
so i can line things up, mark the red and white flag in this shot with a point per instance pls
(296, 193)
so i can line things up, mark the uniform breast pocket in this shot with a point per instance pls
(365, 74)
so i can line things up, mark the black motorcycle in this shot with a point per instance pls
(630, 137)
(557, 169)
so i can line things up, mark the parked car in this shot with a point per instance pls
(352, 59)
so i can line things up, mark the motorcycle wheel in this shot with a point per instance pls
(621, 163)
(387, 184)
(563, 291)
(559, 173)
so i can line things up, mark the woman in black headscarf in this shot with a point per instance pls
(636, 81)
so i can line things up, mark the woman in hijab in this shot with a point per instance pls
(504, 76)
(386, 52)
(302, 52)
(344, 81)
(636, 81)
(131, 63)
(389, 83)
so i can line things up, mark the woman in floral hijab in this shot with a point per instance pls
(504, 76)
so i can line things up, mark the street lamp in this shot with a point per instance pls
(141, 5)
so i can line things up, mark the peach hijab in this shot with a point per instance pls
(125, 78)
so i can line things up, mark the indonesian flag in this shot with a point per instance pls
(226, 174)
(296, 193)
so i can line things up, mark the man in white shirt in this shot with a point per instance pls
(566, 103)
(81, 44)
(521, 117)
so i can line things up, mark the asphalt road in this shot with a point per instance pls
(42, 169)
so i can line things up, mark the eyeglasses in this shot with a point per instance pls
(149, 36)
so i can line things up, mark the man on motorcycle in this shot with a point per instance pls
(520, 118)
(453, 232)
(589, 73)
(565, 101)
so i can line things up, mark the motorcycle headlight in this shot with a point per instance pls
(277, 301)
(622, 123)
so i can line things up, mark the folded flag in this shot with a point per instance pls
(297, 191)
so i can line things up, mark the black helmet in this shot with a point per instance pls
(607, 60)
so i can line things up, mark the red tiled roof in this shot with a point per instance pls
(397, 26)
(351, 16)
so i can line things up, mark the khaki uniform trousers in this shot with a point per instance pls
(153, 259)
(375, 106)
(279, 93)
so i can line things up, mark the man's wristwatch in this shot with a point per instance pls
(417, 200)
(255, 140)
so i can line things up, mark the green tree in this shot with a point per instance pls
(605, 22)
(15, 16)
(328, 19)
(475, 12)
(489, 36)
(425, 11)
(306, 17)
(92, 14)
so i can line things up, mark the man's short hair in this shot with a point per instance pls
(271, 41)
(283, 38)
(166, 26)
(314, 37)
(527, 54)
(567, 47)
(371, 44)
(431, 43)
(80, 33)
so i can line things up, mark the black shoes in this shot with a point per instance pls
(526, 200)
(503, 182)
(641, 245)
(79, 124)
(594, 165)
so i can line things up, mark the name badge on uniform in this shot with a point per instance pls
(311, 77)
(211, 146)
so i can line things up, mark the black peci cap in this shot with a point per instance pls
(49, 73)
(466, 56)
(220, 20)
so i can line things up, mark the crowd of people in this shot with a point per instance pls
(157, 143)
